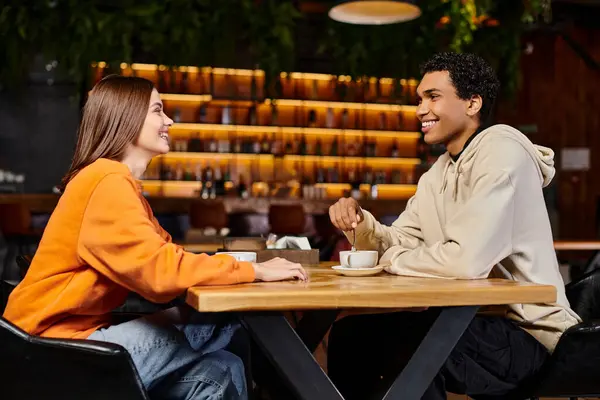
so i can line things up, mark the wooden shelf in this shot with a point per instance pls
(333, 190)
(386, 161)
(180, 155)
(203, 98)
(341, 105)
(191, 98)
(290, 130)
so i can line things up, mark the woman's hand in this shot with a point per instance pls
(279, 269)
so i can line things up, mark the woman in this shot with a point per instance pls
(102, 242)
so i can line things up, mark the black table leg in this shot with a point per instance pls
(314, 325)
(431, 354)
(292, 359)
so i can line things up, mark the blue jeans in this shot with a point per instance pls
(182, 357)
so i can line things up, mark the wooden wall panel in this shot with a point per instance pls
(561, 94)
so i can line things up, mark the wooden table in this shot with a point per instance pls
(261, 305)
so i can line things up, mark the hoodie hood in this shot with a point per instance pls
(542, 156)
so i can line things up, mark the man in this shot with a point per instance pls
(478, 212)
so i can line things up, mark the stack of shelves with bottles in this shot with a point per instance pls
(306, 135)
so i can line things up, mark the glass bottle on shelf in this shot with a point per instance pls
(351, 90)
(314, 89)
(162, 81)
(398, 90)
(320, 174)
(198, 175)
(227, 174)
(345, 118)
(188, 175)
(395, 153)
(329, 118)
(253, 87)
(400, 121)
(276, 146)
(302, 146)
(368, 176)
(319, 148)
(219, 185)
(373, 147)
(252, 118)
(382, 121)
(378, 93)
(312, 119)
(289, 147)
(178, 172)
(208, 181)
(242, 188)
(183, 84)
(396, 176)
(226, 116)
(354, 184)
(265, 145)
(200, 81)
(278, 88)
(274, 114)
(256, 147)
(223, 145)
(247, 145)
(237, 145)
(176, 115)
(201, 114)
(213, 146)
(211, 82)
(334, 147)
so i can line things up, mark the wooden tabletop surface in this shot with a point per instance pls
(328, 290)
(559, 245)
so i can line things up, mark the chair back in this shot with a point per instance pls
(15, 219)
(287, 219)
(41, 368)
(584, 295)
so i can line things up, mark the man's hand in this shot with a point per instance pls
(346, 214)
(279, 269)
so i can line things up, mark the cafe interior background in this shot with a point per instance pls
(282, 107)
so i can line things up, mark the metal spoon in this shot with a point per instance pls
(353, 239)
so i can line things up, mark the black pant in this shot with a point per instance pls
(494, 357)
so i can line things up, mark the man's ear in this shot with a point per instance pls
(474, 105)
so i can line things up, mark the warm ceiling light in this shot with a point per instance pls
(375, 12)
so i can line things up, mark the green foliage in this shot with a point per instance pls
(223, 32)
(171, 32)
(445, 25)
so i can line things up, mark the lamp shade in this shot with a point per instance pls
(374, 12)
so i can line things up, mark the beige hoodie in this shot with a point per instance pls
(483, 215)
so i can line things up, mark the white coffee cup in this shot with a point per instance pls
(241, 255)
(359, 258)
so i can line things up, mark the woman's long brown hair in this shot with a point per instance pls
(113, 117)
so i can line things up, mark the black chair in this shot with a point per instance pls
(35, 368)
(572, 371)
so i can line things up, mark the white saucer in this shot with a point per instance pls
(357, 271)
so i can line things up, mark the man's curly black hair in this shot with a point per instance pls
(470, 75)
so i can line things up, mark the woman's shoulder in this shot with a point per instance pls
(90, 176)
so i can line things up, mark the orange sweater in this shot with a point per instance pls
(102, 241)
